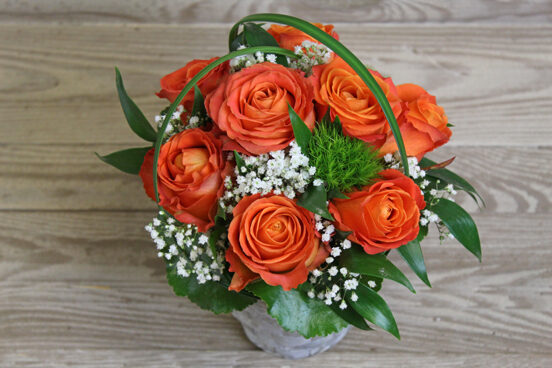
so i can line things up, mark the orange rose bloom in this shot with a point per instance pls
(382, 216)
(173, 83)
(288, 37)
(191, 172)
(423, 123)
(272, 238)
(337, 86)
(251, 107)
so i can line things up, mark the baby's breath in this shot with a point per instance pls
(310, 54)
(285, 172)
(183, 246)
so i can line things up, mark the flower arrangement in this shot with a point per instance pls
(286, 171)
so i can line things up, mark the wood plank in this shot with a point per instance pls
(91, 280)
(71, 177)
(111, 358)
(58, 80)
(358, 11)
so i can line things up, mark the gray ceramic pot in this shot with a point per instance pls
(266, 333)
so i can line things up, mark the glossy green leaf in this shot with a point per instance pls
(460, 224)
(334, 193)
(450, 177)
(135, 118)
(301, 131)
(314, 199)
(351, 316)
(128, 160)
(198, 108)
(216, 232)
(295, 311)
(255, 35)
(372, 307)
(239, 161)
(377, 265)
(412, 255)
(238, 41)
(350, 58)
(211, 295)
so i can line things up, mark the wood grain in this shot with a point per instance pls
(495, 82)
(71, 177)
(91, 280)
(110, 358)
(328, 11)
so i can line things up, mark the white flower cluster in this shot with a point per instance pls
(245, 61)
(176, 125)
(394, 162)
(310, 54)
(187, 249)
(331, 283)
(280, 172)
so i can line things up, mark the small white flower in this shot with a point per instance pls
(156, 222)
(271, 58)
(346, 244)
(333, 271)
(203, 239)
(343, 271)
(343, 305)
(329, 260)
(335, 251)
(372, 284)
(311, 294)
(388, 158)
(317, 182)
(423, 221)
(326, 238)
(354, 297)
(316, 272)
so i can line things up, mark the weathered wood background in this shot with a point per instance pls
(80, 284)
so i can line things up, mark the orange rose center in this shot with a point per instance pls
(192, 160)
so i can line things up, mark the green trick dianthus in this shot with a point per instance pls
(342, 162)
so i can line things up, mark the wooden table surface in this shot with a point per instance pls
(80, 283)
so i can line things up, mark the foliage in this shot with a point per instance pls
(342, 162)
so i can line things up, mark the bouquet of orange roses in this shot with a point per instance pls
(286, 171)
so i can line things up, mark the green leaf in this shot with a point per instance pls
(238, 41)
(301, 131)
(221, 214)
(334, 193)
(211, 295)
(372, 307)
(314, 199)
(255, 35)
(239, 161)
(199, 105)
(451, 178)
(460, 224)
(412, 254)
(136, 119)
(128, 160)
(351, 316)
(215, 236)
(295, 311)
(377, 265)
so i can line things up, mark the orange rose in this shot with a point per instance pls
(272, 238)
(288, 37)
(337, 86)
(251, 107)
(173, 83)
(423, 123)
(382, 216)
(191, 172)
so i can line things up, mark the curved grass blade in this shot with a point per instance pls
(193, 82)
(337, 47)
